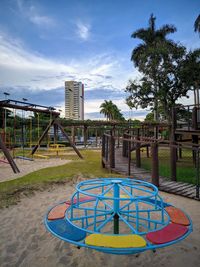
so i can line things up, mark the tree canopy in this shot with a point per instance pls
(168, 71)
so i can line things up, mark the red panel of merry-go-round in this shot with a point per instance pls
(169, 233)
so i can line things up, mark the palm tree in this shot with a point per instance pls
(116, 114)
(148, 55)
(107, 109)
(111, 111)
(197, 24)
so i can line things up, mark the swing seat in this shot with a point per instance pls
(115, 241)
(40, 156)
(24, 158)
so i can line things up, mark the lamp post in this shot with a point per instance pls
(6, 95)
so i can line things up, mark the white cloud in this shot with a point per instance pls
(103, 69)
(34, 15)
(93, 105)
(83, 30)
(21, 67)
(41, 20)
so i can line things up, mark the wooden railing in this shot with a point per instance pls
(129, 142)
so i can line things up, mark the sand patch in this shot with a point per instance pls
(25, 241)
(26, 166)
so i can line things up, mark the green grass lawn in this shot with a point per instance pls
(185, 167)
(88, 167)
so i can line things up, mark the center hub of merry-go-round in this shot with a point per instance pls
(119, 216)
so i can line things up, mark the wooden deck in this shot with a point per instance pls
(178, 188)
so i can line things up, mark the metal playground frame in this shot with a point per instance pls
(118, 216)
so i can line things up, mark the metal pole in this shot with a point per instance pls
(116, 207)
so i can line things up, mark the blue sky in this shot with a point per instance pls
(43, 43)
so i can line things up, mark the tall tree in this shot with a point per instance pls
(148, 55)
(191, 73)
(170, 81)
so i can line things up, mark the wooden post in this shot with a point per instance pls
(194, 118)
(112, 152)
(85, 135)
(155, 164)
(106, 150)
(73, 134)
(173, 158)
(96, 134)
(180, 149)
(147, 151)
(55, 127)
(180, 152)
(173, 149)
(118, 138)
(195, 140)
(8, 156)
(197, 172)
(124, 146)
(42, 136)
(129, 158)
(138, 156)
(137, 152)
(69, 140)
(103, 151)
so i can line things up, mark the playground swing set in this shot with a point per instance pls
(54, 122)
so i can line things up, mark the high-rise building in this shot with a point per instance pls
(74, 100)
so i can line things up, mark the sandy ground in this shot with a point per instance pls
(26, 166)
(24, 240)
